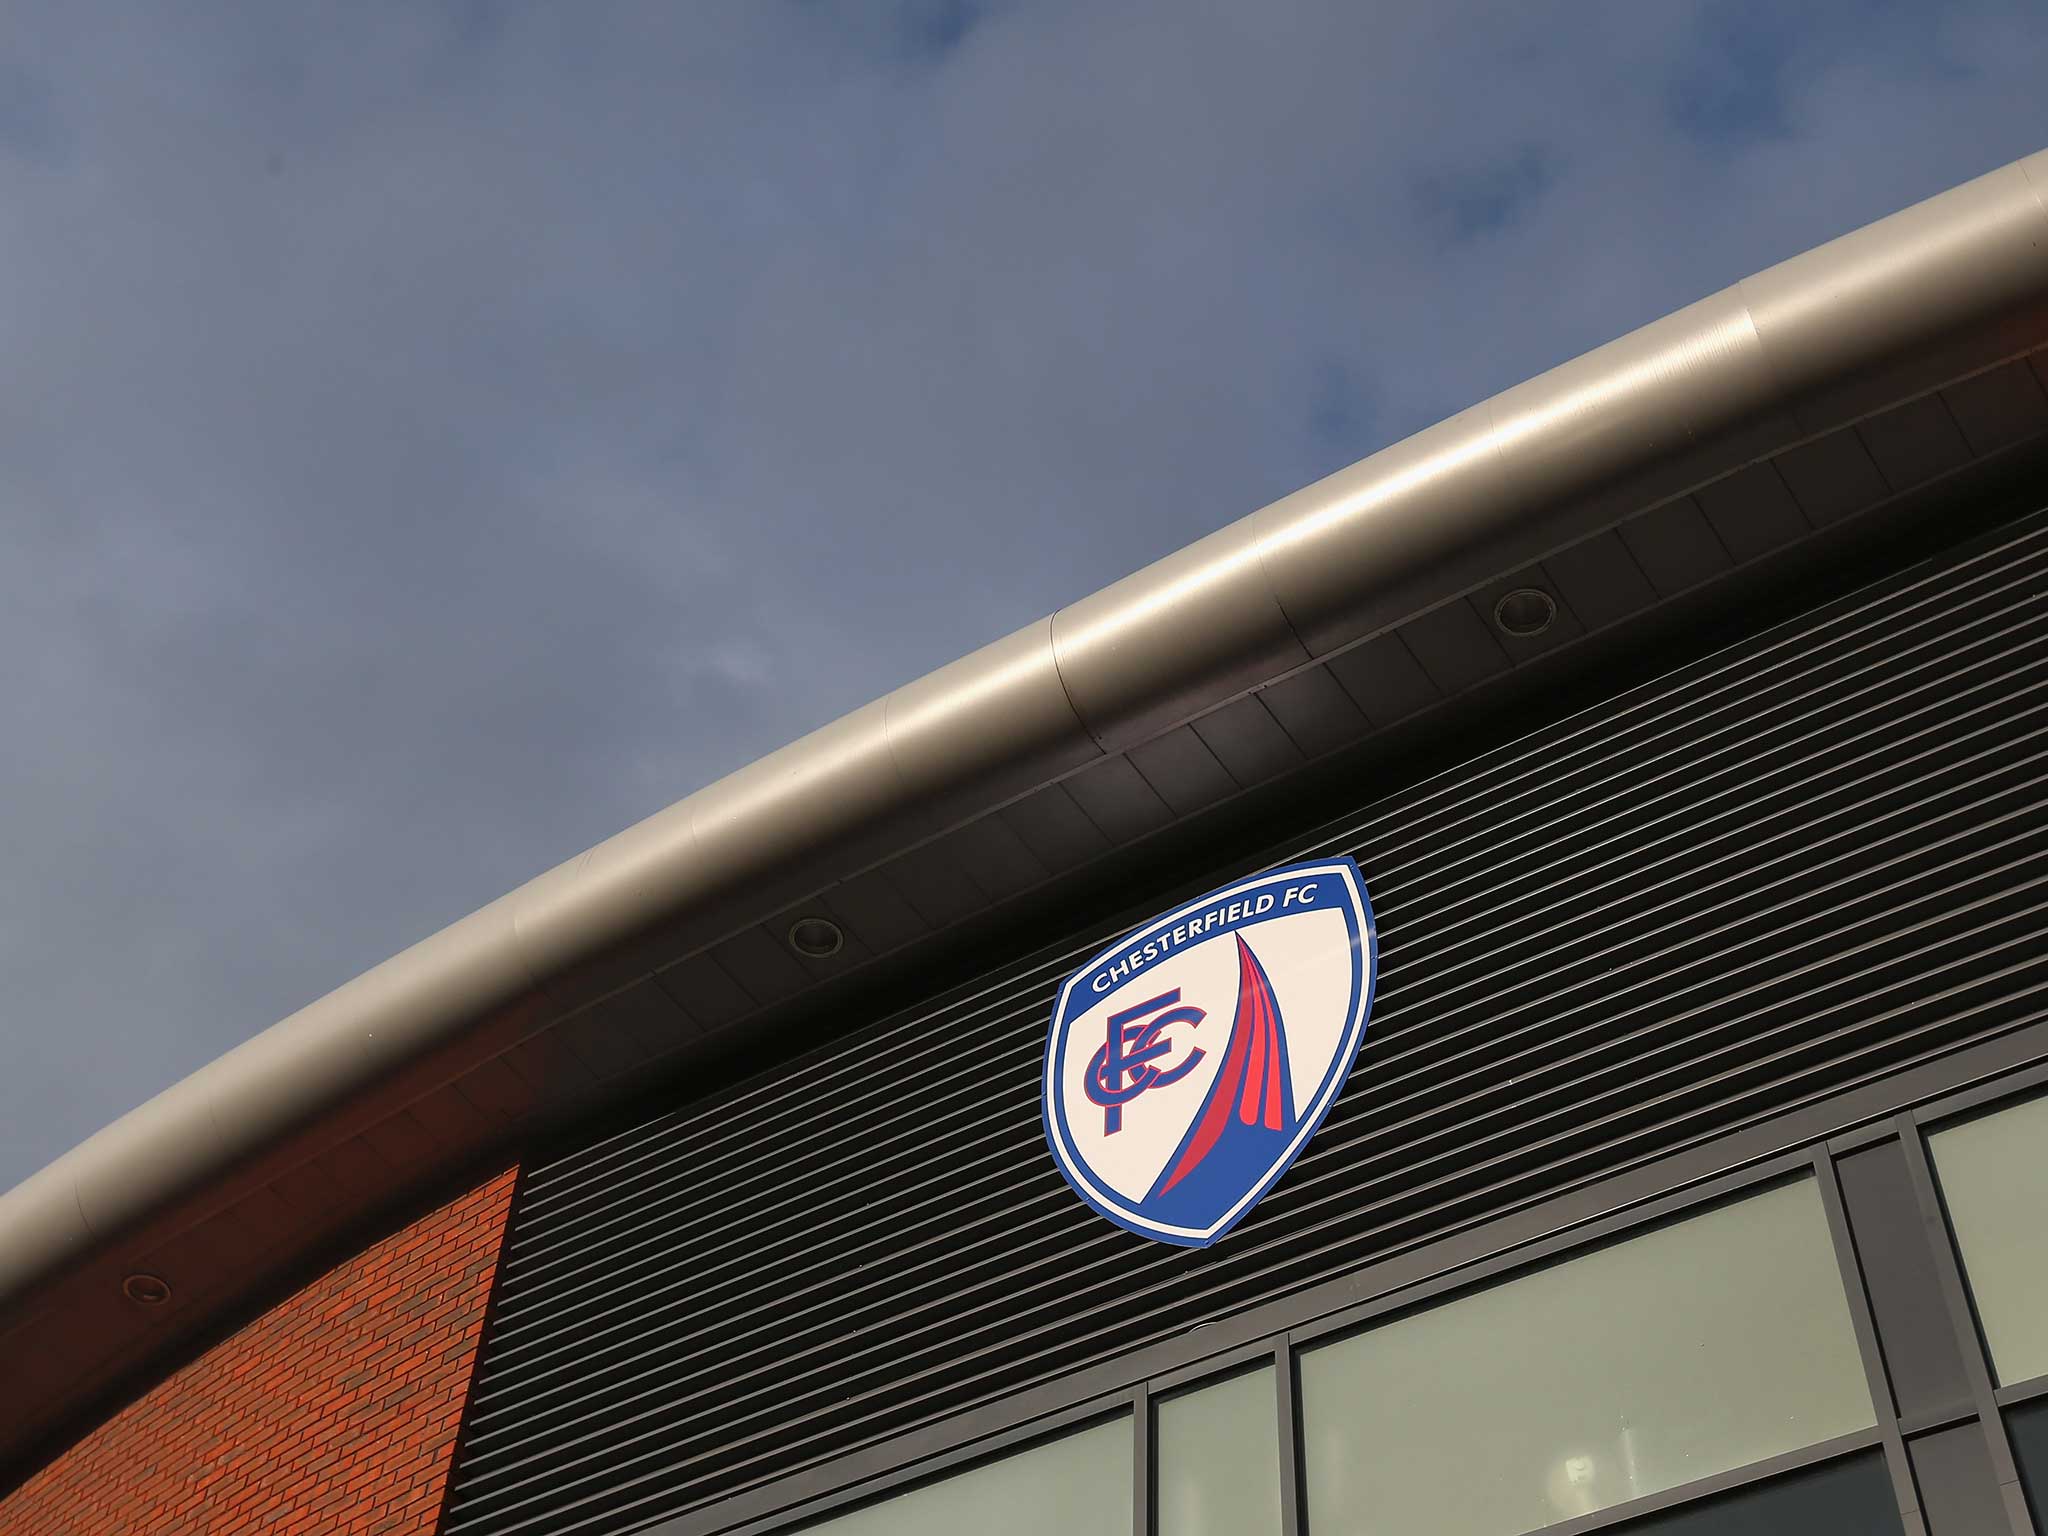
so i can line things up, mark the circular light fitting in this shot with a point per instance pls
(146, 1290)
(815, 938)
(1525, 612)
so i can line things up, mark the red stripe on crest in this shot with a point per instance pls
(1251, 1059)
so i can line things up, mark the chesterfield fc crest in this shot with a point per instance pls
(1191, 1061)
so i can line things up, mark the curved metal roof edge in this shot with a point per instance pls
(1945, 288)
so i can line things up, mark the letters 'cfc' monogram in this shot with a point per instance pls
(1130, 1052)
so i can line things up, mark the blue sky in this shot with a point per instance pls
(436, 436)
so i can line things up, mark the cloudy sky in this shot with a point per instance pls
(433, 436)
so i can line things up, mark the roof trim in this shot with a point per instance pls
(1949, 287)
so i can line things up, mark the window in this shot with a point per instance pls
(1994, 1180)
(1079, 1485)
(1218, 1450)
(1715, 1342)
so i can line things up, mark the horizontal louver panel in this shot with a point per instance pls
(1798, 863)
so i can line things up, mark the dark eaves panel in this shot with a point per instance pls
(1852, 369)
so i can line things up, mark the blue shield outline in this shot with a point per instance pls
(1075, 1000)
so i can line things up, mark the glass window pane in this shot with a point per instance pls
(1850, 1497)
(1218, 1454)
(1705, 1345)
(1079, 1485)
(1994, 1179)
(2026, 1426)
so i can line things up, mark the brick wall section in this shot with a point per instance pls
(335, 1411)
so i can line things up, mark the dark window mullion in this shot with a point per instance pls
(1884, 1400)
(1920, 1171)
(1144, 1461)
(1287, 1404)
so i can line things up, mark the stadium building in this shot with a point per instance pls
(1685, 713)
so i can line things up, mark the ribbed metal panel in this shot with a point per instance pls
(1796, 864)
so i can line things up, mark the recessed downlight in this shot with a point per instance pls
(146, 1290)
(1525, 612)
(816, 938)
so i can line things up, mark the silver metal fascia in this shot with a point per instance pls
(988, 727)
(380, 1041)
(1931, 293)
(838, 801)
(1927, 296)
(712, 863)
(1160, 646)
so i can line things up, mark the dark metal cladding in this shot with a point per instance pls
(1809, 859)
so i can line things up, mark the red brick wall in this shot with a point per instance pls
(334, 1411)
